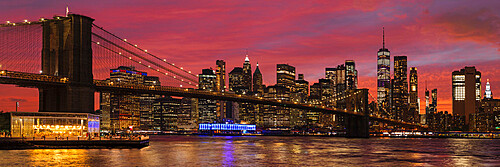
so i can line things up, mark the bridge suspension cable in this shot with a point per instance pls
(113, 45)
(145, 51)
(20, 47)
(142, 64)
(190, 80)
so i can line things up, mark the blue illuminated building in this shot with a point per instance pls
(227, 127)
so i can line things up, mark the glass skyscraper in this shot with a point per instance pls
(383, 74)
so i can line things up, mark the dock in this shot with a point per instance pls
(73, 143)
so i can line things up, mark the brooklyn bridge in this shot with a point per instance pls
(67, 58)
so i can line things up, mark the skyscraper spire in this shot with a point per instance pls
(246, 58)
(487, 92)
(67, 10)
(383, 37)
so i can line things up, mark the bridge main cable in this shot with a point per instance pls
(109, 49)
(143, 58)
(163, 60)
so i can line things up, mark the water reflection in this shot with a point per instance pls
(271, 151)
(228, 148)
(58, 157)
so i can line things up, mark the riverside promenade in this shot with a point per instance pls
(7, 143)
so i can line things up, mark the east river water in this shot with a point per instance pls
(190, 151)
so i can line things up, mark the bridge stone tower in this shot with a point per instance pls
(358, 126)
(67, 52)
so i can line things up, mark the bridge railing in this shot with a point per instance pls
(105, 83)
(32, 77)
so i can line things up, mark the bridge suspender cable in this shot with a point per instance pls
(143, 58)
(163, 60)
(118, 53)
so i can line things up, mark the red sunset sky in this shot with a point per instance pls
(437, 36)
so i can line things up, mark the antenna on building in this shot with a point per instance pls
(383, 37)
(425, 84)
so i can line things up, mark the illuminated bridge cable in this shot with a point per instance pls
(135, 46)
(9, 24)
(118, 53)
(143, 58)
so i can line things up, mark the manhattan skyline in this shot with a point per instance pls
(438, 37)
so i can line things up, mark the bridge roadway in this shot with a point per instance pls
(39, 80)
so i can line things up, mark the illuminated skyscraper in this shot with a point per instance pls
(413, 91)
(220, 86)
(221, 76)
(120, 111)
(466, 92)
(207, 108)
(302, 87)
(340, 79)
(236, 81)
(487, 91)
(285, 76)
(351, 75)
(331, 74)
(247, 74)
(400, 89)
(383, 75)
(207, 80)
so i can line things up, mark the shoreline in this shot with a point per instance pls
(23, 144)
(298, 135)
(20, 144)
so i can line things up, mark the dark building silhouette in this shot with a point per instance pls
(413, 91)
(258, 87)
(434, 99)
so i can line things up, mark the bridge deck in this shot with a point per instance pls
(36, 80)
